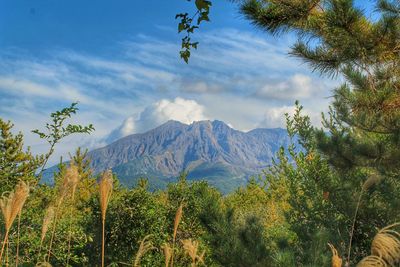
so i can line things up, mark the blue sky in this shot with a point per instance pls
(120, 61)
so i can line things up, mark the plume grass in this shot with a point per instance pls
(373, 179)
(178, 218)
(167, 254)
(105, 191)
(11, 204)
(372, 261)
(336, 260)
(73, 178)
(386, 245)
(385, 248)
(69, 179)
(47, 221)
(145, 246)
(191, 248)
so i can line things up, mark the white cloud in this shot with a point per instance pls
(297, 87)
(274, 117)
(179, 109)
(232, 77)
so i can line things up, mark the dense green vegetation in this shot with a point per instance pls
(340, 188)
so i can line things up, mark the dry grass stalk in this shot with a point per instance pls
(336, 260)
(385, 249)
(73, 177)
(18, 239)
(192, 249)
(178, 218)
(43, 264)
(372, 261)
(167, 254)
(11, 205)
(47, 221)
(70, 180)
(144, 247)
(373, 179)
(105, 191)
(386, 245)
(105, 187)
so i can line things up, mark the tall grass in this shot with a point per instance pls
(167, 254)
(192, 249)
(385, 248)
(145, 246)
(373, 179)
(178, 217)
(47, 221)
(11, 205)
(105, 191)
(74, 178)
(69, 181)
(336, 260)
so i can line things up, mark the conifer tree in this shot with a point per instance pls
(361, 139)
(337, 38)
(16, 163)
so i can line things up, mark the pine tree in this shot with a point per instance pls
(16, 163)
(337, 38)
(361, 139)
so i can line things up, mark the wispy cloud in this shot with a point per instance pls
(239, 77)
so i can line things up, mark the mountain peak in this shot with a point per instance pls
(211, 150)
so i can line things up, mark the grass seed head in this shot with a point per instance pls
(70, 181)
(11, 203)
(105, 188)
(47, 221)
(372, 180)
(372, 261)
(191, 247)
(167, 253)
(178, 217)
(386, 245)
(336, 260)
(145, 246)
(72, 176)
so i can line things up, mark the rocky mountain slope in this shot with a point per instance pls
(208, 150)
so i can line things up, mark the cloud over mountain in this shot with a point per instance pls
(178, 109)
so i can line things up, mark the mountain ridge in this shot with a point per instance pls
(208, 150)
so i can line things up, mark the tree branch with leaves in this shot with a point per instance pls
(57, 130)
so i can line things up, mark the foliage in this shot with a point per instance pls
(56, 130)
(357, 151)
(189, 23)
(15, 163)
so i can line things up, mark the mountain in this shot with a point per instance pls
(209, 150)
